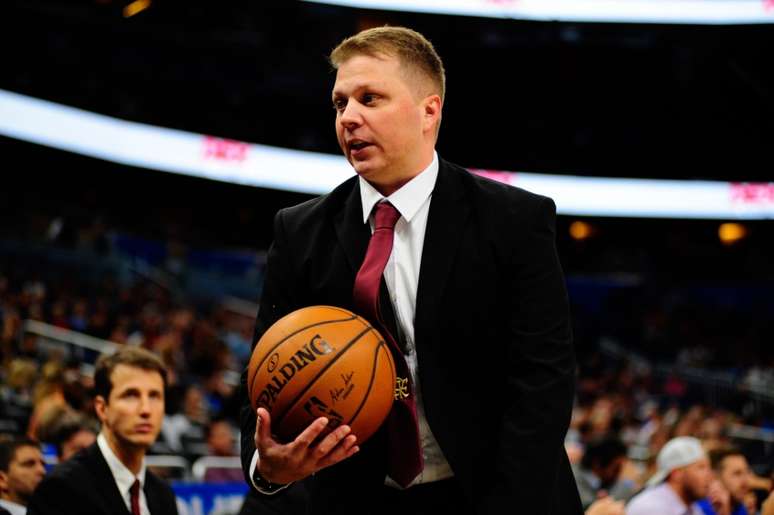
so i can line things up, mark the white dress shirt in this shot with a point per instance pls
(13, 508)
(401, 274)
(124, 477)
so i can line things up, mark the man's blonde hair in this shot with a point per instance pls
(412, 49)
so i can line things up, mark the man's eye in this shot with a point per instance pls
(368, 98)
(339, 105)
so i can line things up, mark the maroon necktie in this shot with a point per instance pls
(134, 493)
(405, 459)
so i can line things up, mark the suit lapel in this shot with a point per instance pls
(150, 488)
(104, 482)
(352, 233)
(445, 226)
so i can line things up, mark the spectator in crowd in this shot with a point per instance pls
(183, 432)
(768, 505)
(733, 475)
(110, 476)
(221, 443)
(599, 471)
(49, 395)
(683, 477)
(72, 433)
(606, 506)
(21, 469)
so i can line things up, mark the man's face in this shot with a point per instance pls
(696, 479)
(80, 440)
(735, 476)
(609, 475)
(382, 125)
(221, 439)
(131, 416)
(25, 471)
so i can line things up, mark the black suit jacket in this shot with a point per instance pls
(84, 485)
(492, 330)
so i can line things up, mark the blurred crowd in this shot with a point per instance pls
(46, 383)
(626, 409)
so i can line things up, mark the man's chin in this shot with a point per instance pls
(142, 441)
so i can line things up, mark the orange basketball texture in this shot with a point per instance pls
(322, 361)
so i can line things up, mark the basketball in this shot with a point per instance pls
(322, 361)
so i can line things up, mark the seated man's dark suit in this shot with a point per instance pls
(492, 332)
(84, 485)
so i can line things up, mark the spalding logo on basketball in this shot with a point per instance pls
(322, 361)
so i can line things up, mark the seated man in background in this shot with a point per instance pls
(110, 476)
(221, 442)
(733, 475)
(683, 477)
(598, 474)
(21, 469)
(72, 433)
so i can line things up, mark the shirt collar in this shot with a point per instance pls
(13, 508)
(408, 198)
(123, 476)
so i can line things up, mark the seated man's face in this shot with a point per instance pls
(735, 475)
(25, 471)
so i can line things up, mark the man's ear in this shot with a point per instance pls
(431, 112)
(99, 407)
(3, 481)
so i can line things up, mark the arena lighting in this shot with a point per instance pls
(730, 233)
(136, 7)
(580, 230)
(156, 148)
(700, 12)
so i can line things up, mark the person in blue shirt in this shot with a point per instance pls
(733, 475)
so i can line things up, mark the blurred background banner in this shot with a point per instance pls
(213, 499)
(617, 11)
(210, 157)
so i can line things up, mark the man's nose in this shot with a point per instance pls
(145, 405)
(350, 116)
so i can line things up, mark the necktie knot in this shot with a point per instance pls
(386, 216)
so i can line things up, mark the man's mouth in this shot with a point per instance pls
(356, 145)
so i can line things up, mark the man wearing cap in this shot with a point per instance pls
(683, 477)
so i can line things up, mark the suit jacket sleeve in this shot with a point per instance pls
(541, 365)
(276, 301)
(50, 497)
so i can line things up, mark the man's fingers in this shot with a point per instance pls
(329, 442)
(262, 427)
(345, 449)
(310, 434)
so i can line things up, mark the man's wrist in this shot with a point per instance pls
(259, 482)
(264, 485)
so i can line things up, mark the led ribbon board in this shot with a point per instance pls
(136, 144)
(703, 12)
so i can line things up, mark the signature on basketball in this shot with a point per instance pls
(338, 394)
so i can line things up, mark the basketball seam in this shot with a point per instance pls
(314, 379)
(370, 383)
(269, 352)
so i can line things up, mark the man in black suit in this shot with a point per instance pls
(21, 470)
(110, 477)
(472, 292)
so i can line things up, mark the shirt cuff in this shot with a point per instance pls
(253, 467)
